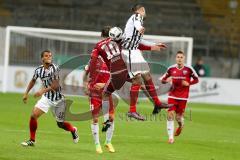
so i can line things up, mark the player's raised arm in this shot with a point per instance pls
(148, 45)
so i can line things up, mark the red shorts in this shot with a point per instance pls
(179, 105)
(96, 103)
(116, 82)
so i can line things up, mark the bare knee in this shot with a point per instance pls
(111, 117)
(36, 113)
(95, 120)
(170, 116)
(146, 76)
(137, 80)
(180, 119)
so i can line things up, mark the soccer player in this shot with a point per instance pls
(182, 77)
(136, 64)
(96, 84)
(97, 103)
(51, 97)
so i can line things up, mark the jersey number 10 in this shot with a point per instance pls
(112, 49)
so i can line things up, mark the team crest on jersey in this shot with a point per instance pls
(185, 72)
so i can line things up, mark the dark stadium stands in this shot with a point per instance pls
(210, 23)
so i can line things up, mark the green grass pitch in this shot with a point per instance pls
(212, 132)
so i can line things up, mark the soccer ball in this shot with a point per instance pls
(115, 33)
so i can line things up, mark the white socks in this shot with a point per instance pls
(95, 132)
(109, 133)
(95, 126)
(170, 129)
(105, 109)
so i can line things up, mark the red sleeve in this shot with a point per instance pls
(92, 64)
(144, 48)
(194, 81)
(195, 77)
(165, 77)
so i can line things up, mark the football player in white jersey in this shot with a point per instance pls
(137, 66)
(51, 98)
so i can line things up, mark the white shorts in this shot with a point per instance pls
(135, 62)
(57, 107)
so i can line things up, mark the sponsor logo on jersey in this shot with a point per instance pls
(185, 72)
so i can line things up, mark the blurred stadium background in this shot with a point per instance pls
(213, 25)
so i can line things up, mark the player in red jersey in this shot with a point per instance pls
(97, 103)
(95, 85)
(182, 77)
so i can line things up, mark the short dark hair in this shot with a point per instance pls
(45, 51)
(105, 31)
(135, 7)
(180, 52)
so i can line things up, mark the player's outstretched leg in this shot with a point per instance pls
(133, 102)
(69, 127)
(158, 105)
(136, 85)
(36, 113)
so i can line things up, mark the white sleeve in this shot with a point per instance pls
(138, 22)
(35, 75)
(56, 71)
(194, 73)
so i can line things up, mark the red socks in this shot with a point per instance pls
(134, 97)
(68, 127)
(152, 92)
(33, 128)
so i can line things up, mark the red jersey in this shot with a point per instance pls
(187, 73)
(102, 73)
(107, 49)
(110, 51)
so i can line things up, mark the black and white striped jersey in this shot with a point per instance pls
(47, 76)
(131, 32)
